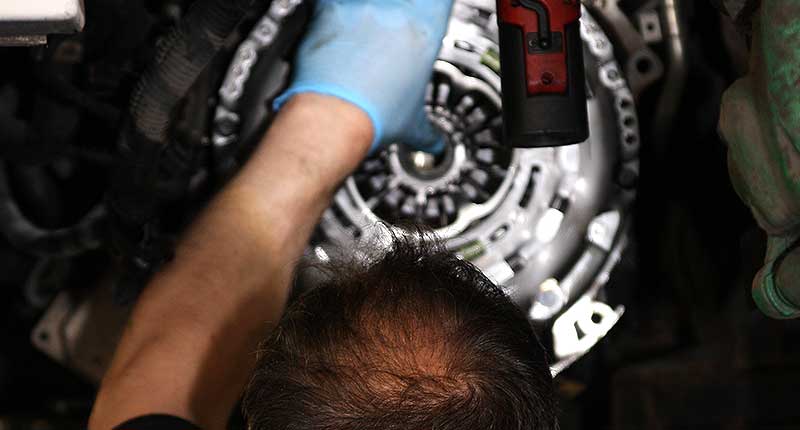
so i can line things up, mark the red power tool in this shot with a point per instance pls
(544, 88)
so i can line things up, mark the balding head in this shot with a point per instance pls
(418, 340)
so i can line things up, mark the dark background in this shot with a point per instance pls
(691, 351)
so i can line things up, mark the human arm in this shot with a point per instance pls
(189, 347)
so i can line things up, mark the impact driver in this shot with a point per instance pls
(544, 89)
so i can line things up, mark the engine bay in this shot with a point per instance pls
(523, 216)
(576, 235)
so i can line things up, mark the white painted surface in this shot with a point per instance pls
(40, 17)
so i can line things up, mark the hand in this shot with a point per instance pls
(378, 55)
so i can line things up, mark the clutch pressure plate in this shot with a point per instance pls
(547, 224)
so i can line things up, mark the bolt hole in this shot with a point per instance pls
(466, 46)
(629, 121)
(628, 178)
(631, 139)
(625, 103)
(644, 65)
(597, 318)
(499, 233)
(44, 336)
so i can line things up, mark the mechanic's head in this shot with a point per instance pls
(418, 340)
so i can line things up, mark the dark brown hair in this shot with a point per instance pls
(416, 340)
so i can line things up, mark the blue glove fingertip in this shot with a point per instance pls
(424, 136)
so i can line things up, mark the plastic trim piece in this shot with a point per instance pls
(32, 21)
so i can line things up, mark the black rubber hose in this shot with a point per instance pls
(22, 141)
(44, 139)
(182, 56)
(24, 235)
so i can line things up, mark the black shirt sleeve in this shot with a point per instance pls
(157, 422)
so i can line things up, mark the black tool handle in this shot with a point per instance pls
(542, 119)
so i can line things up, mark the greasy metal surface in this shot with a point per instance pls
(761, 122)
(81, 331)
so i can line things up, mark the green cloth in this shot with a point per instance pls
(760, 121)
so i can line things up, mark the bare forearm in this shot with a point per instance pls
(198, 323)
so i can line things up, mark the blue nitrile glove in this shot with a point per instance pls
(378, 55)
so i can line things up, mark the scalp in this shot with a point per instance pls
(415, 339)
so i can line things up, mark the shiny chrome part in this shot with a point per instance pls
(548, 224)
